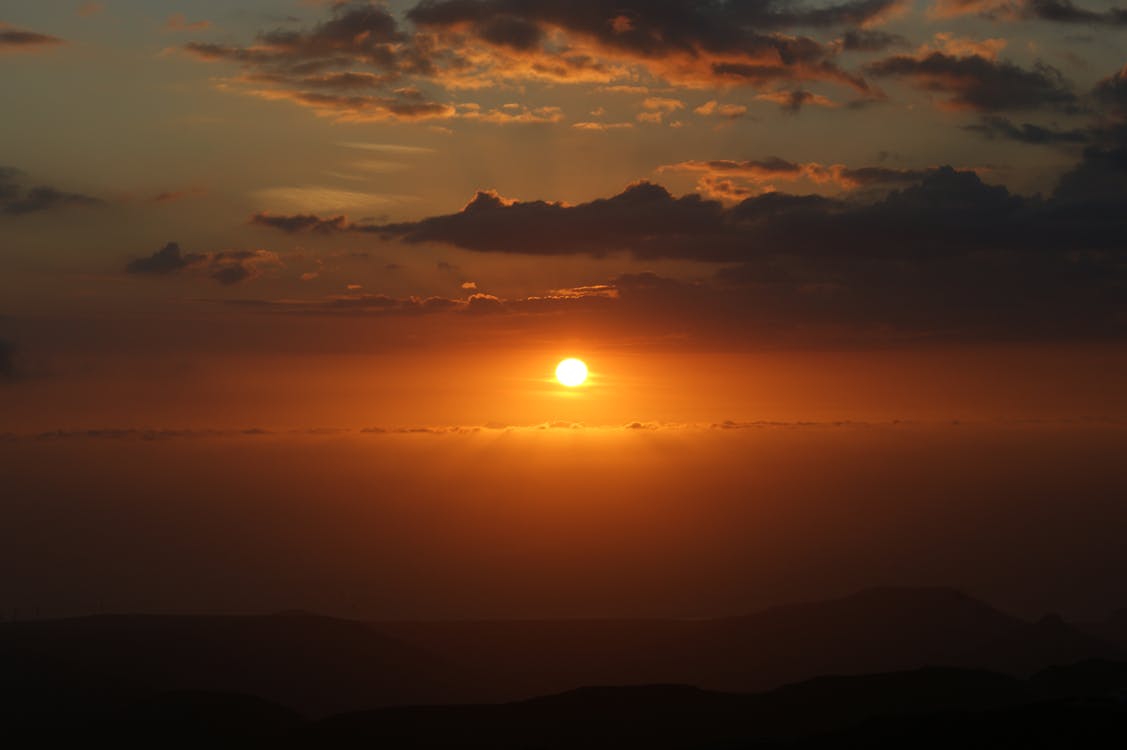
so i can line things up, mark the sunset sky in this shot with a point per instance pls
(303, 270)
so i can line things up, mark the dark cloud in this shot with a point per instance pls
(870, 176)
(655, 27)
(1098, 184)
(994, 126)
(785, 298)
(17, 200)
(169, 259)
(793, 100)
(355, 32)
(1096, 189)
(980, 83)
(870, 40)
(359, 47)
(233, 267)
(1112, 92)
(492, 224)
(333, 66)
(228, 267)
(1065, 11)
(946, 211)
(300, 223)
(15, 40)
(1057, 11)
(943, 254)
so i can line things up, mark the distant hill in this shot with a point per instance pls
(319, 666)
(877, 630)
(1112, 630)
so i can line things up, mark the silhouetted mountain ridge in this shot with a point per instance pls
(875, 630)
(316, 664)
(935, 707)
(322, 665)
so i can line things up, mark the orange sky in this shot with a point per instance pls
(283, 285)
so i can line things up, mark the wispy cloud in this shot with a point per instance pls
(13, 39)
(16, 199)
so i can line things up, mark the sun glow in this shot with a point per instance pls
(571, 372)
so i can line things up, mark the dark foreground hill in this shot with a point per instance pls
(1080, 706)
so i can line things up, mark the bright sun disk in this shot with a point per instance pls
(571, 372)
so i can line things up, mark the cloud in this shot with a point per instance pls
(1057, 11)
(979, 83)
(235, 266)
(359, 46)
(1064, 11)
(994, 126)
(389, 148)
(935, 251)
(958, 46)
(401, 105)
(509, 114)
(793, 101)
(847, 299)
(361, 64)
(602, 127)
(125, 434)
(228, 267)
(380, 305)
(647, 27)
(19, 40)
(17, 200)
(178, 22)
(714, 108)
(1095, 189)
(168, 259)
(870, 40)
(683, 42)
(1112, 92)
(300, 223)
(729, 180)
(944, 209)
(662, 104)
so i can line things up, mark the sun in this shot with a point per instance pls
(571, 372)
